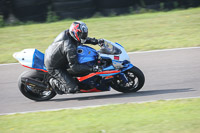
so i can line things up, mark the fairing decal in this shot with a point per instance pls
(34, 68)
(97, 73)
(91, 90)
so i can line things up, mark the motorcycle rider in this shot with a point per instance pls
(61, 56)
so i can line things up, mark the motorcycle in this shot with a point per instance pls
(117, 72)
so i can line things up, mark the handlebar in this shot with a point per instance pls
(101, 42)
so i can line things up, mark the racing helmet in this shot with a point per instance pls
(79, 31)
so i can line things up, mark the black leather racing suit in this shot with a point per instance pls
(61, 55)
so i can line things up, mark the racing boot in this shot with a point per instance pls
(54, 84)
(61, 88)
(74, 90)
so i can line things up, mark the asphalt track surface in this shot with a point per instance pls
(170, 74)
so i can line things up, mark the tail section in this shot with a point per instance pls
(31, 58)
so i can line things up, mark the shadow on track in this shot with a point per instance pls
(125, 95)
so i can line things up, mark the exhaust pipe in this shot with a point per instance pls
(33, 82)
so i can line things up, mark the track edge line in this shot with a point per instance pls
(95, 106)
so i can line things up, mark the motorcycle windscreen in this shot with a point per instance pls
(108, 48)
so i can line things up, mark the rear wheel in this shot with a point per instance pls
(135, 78)
(34, 92)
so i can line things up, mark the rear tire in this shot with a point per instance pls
(34, 93)
(135, 78)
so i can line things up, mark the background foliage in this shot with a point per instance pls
(38, 10)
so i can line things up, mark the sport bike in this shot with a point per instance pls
(117, 72)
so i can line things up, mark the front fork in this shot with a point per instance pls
(123, 77)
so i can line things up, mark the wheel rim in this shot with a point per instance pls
(36, 92)
(133, 81)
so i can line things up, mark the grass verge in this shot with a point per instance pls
(147, 31)
(177, 116)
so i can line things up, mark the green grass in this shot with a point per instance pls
(135, 31)
(177, 116)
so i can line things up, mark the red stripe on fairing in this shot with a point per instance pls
(91, 90)
(34, 68)
(97, 73)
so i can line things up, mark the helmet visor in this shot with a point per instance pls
(84, 37)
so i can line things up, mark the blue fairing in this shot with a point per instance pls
(86, 54)
(129, 66)
(111, 67)
(38, 60)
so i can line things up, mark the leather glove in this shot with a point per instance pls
(97, 68)
(101, 42)
(94, 41)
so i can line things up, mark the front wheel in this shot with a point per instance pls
(135, 78)
(33, 92)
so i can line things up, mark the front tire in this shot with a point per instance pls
(34, 93)
(135, 78)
